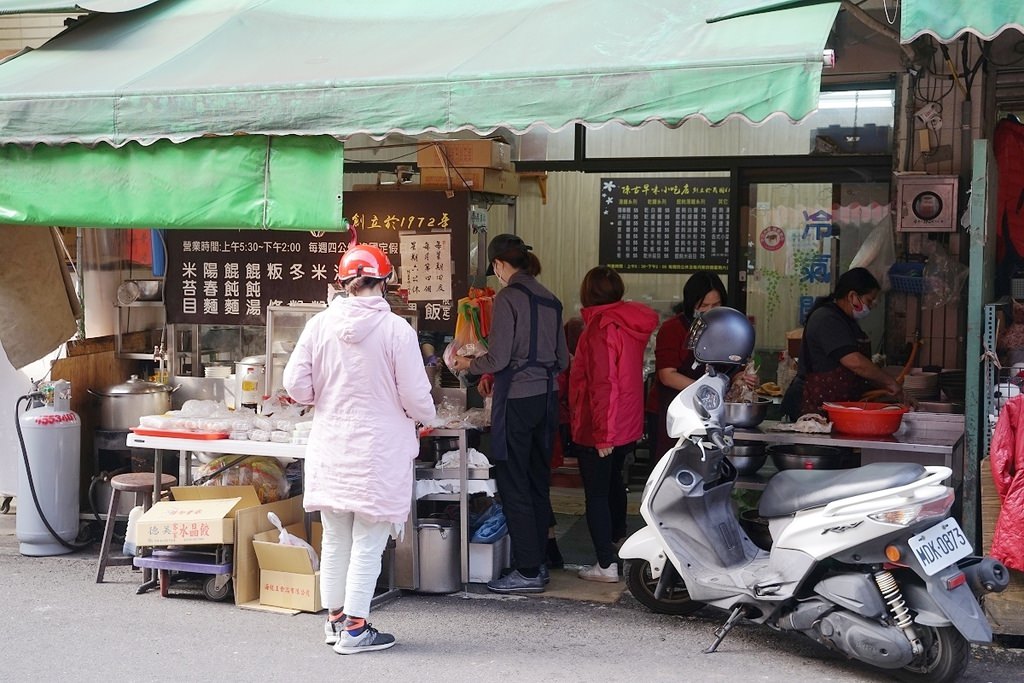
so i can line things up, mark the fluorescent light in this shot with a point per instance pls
(856, 99)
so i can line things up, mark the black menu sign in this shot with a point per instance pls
(664, 225)
(425, 234)
(231, 276)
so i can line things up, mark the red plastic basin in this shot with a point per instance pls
(863, 418)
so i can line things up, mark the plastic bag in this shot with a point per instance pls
(264, 474)
(943, 277)
(491, 526)
(472, 325)
(877, 253)
(286, 538)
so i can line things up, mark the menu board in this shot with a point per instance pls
(664, 225)
(231, 276)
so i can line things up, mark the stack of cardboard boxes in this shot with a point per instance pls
(477, 165)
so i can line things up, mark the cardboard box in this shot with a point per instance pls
(470, 153)
(477, 179)
(243, 520)
(198, 515)
(287, 577)
(486, 560)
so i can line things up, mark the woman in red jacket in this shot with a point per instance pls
(606, 398)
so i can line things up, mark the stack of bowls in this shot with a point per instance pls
(217, 371)
(921, 385)
(953, 384)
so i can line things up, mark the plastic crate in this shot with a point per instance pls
(907, 277)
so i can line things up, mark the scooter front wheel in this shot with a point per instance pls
(945, 656)
(642, 585)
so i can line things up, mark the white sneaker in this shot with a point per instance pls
(333, 629)
(369, 640)
(596, 572)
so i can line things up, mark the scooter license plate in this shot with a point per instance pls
(940, 546)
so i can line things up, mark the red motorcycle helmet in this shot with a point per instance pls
(364, 260)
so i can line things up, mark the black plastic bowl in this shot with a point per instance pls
(801, 457)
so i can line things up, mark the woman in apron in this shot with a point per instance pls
(526, 351)
(835, 354)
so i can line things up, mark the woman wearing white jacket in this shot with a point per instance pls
(359, 364)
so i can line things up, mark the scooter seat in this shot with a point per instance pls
(790, 491)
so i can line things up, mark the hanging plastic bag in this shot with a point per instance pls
(286, 538)
(943, 277)
(877, 253)
(472, 325)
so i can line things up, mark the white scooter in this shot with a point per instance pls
(865, 561)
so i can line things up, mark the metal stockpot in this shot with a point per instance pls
(122, 405)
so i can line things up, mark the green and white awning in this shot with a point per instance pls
(947, 21)
(192, 68)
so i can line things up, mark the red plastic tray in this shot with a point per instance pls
(178, 433)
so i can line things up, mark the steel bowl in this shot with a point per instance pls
(802, 457)
(745, 414)
(747, 457)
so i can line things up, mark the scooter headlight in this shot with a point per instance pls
(905, 515)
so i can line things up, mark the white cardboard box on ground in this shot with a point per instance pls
(486, 560)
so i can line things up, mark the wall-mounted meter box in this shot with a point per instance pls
(926, 203)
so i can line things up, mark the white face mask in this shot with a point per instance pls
(862, 312)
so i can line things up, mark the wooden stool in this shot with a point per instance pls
(141, 484)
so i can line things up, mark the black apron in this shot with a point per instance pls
(503, 379)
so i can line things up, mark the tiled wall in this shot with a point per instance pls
(18, 31)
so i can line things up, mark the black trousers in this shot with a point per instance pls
(606, 498)
(524, 480)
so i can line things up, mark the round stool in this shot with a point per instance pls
(141, 484)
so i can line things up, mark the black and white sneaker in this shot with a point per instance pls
(368, 641)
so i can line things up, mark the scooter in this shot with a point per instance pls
(864, 561)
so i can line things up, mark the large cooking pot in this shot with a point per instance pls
(122, 405)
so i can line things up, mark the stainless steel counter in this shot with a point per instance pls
(924, 433)
(925, 438)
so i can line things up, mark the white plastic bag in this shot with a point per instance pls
(877, 253)
(286, 538)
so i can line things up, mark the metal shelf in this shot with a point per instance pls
(127, 355)
(142, 304)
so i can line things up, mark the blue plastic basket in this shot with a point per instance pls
(907, 277)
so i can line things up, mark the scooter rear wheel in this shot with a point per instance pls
(944, 659)
(642, 585)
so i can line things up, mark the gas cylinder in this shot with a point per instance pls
(52, 436)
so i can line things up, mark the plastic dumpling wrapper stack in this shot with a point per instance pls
(265, 474)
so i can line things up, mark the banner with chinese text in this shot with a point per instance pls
(664, 225)
(230, 277)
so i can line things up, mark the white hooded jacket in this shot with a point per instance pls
(360, 365)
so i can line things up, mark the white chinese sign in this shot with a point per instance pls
(426, 265)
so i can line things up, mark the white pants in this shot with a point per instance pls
(350, 560)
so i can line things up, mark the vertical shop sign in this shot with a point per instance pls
(664, 225)
(231, 276)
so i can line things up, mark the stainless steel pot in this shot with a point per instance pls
(122, 405)
(747, 457)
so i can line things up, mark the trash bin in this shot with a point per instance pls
(438, 541)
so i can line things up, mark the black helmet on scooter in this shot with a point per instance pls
(722, 336)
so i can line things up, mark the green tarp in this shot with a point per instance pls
(179, 70)
(289, 183)
(949, 20)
